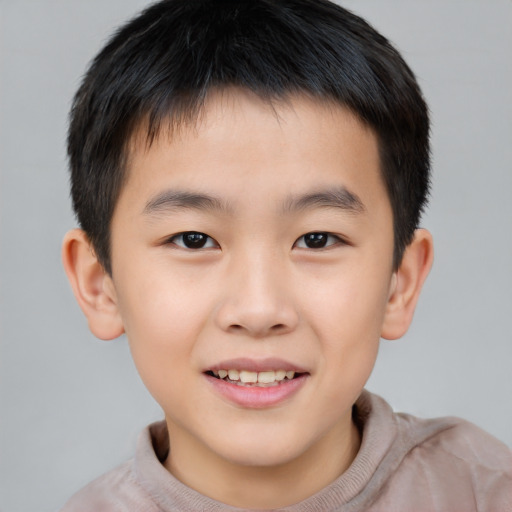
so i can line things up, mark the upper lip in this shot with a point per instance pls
(256, 365)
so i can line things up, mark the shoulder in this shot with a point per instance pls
(455, 459)
(456, 440)
(434, 465)
(115, 491)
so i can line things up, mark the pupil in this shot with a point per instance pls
(194, 240)
(315, 240)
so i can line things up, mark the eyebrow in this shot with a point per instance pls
(338, 197)
(172, 200)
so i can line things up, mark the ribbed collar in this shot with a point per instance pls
(351, 491)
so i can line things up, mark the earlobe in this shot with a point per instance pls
(93, 288)
(406, 285)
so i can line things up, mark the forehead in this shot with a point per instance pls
(239, 144)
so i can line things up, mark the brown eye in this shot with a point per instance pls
(316, 240)
(193, 240)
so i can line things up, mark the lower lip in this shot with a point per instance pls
(255, 397)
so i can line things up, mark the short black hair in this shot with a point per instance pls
(160, 66)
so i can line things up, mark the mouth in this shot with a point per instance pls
(248, 378)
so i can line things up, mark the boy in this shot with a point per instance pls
(249, 178)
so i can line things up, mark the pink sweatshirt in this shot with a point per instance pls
(404, 464)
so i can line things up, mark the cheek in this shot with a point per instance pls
(349, 302)
(347, 317)
(162, 304)
(350, 347)
(162, 320)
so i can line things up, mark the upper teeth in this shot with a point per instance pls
(246, 376)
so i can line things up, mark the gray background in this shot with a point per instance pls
(71, 406)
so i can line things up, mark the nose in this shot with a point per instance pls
(257, 300)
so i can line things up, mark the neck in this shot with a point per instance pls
(263, 487)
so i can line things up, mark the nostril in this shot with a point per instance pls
(275, 329)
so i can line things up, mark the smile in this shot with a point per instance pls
(250, 378)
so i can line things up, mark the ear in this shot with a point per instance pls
(93, 287)
(406, 285)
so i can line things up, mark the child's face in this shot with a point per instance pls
(253, 292)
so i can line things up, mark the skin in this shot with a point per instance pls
(255, 290)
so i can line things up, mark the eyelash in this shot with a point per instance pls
(319, 236)
(203, 241)
(200, 238)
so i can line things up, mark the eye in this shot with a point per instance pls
(317, 240)
(193, 240)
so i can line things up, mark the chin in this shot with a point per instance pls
(261, 452)
(262, 458)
